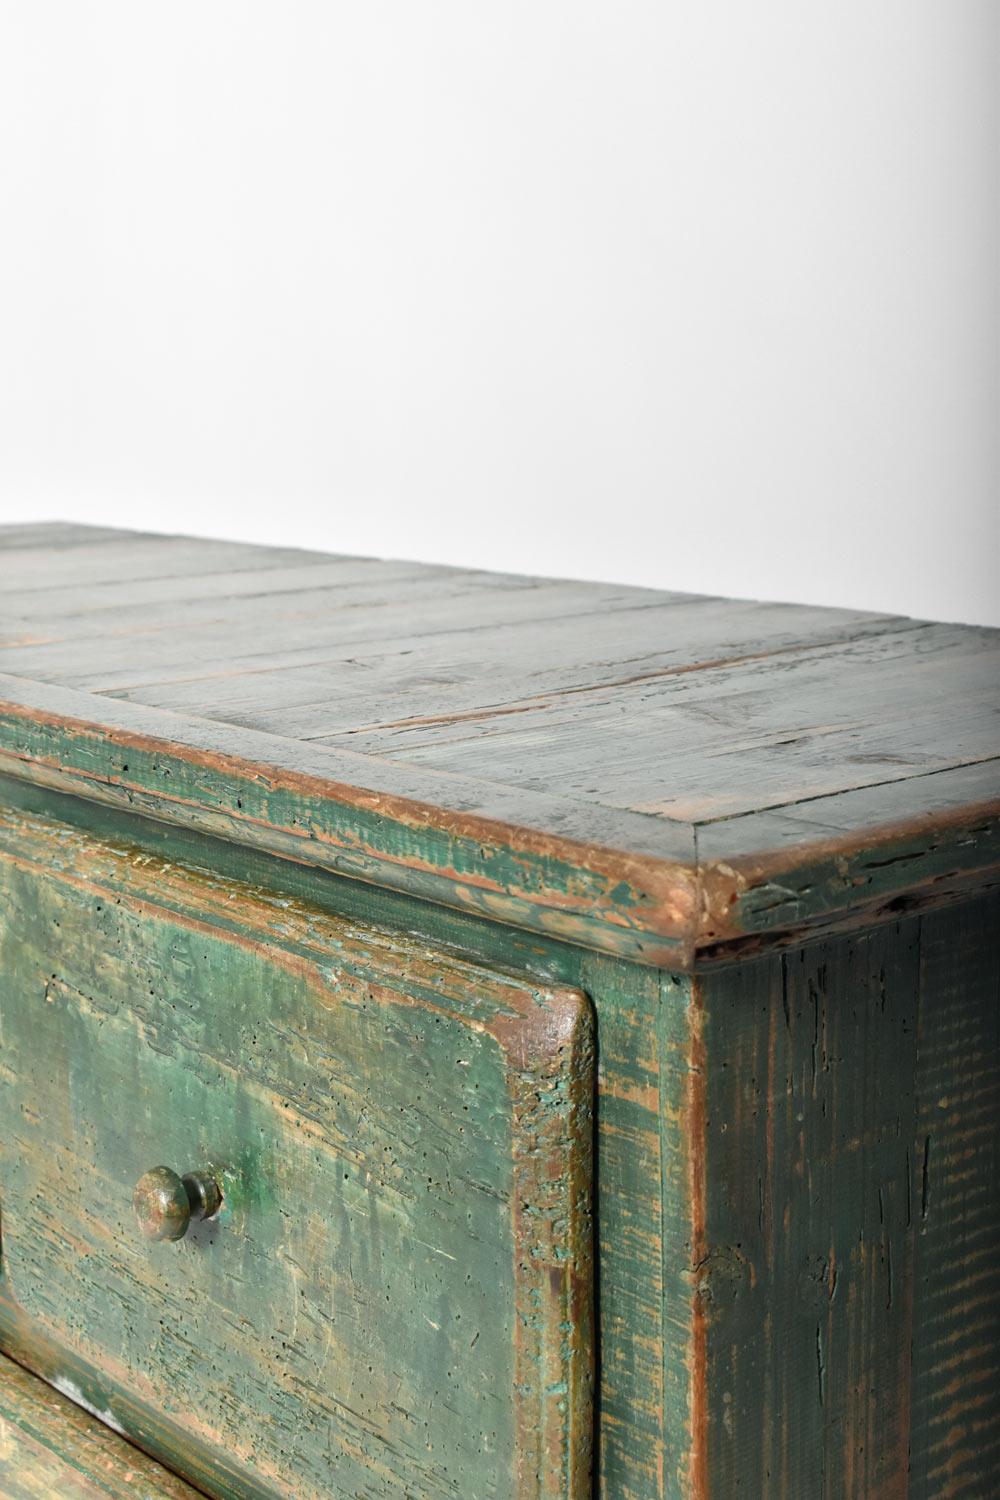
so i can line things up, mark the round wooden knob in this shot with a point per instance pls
(165, 1203)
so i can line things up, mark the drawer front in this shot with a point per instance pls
(395, 1297)
(51, 1450)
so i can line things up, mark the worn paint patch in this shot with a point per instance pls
(69, 1388)
(53, 1449)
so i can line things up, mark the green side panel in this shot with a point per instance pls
(806, 1283)
(955, 1414)
(630, 1230)
(677, 1144)
(383, 1305)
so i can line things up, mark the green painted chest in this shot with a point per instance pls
(566, 1019)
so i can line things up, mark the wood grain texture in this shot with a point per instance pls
(597, 789)
(397, 1294)
(50, 1449)
(639, 772)
(641, 1168)
(955, 1401)
(845, 1329)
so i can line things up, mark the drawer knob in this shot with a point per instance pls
(165, 1204)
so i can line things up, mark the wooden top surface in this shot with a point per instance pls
(634, 769)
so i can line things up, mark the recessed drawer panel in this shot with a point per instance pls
(395, 1295)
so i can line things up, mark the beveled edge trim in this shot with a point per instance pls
(72, 1443)
(656, 903)
(849, 879)
(290, 800)
(552, 1082)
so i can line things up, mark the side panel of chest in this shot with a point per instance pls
(848, 1270)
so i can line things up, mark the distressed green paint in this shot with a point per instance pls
(489, 871)
(489, 941)
(395, 1295)
(633, 1005)
(678, 1147)
(723, 1314)
(50, 1449)
(899, 876)
(630, 1227)
(339, 871)
(660, 891)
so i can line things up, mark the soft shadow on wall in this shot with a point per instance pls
(702, 296)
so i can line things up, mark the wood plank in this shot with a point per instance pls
(480, 671)
(936, 798)
(850, 857)
(955, 1411)
(249, 636)
(128, 605)
(61, 534)
(729, 740)
(804, 1279)
(139, 557)
(680, 1108)
(50, 1449)
(633, 1411)
(847, 1277)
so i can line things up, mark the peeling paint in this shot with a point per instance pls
(68, 1388)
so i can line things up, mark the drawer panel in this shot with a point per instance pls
(51, 1450)
(396, 1294)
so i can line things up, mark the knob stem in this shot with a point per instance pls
(203, 1193)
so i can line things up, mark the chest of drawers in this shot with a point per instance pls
(474, 1036)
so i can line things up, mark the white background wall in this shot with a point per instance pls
(698, 293)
